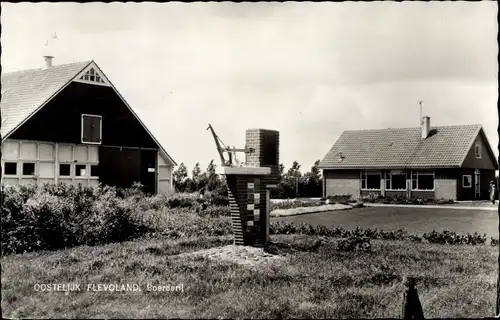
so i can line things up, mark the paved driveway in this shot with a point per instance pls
(415, 220)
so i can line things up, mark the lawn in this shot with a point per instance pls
(415, 220)
(455, 281)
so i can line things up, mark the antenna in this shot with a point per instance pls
(421, 121)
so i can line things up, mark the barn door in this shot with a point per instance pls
(119, 167)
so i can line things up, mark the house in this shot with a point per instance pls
(68, 123)
(450, 162)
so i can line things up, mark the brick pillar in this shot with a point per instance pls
(247, 200)
(266, 145)
(248, 187)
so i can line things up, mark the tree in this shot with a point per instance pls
(312, 182)
(291, 181)
(213, 180)
(180, 176)
(196, 171)
(282, 169)
(199, 178)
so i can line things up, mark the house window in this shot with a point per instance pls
(10, 168)
(467, 181)
(478, 151)
(81, 170)
(91, 129)
(370, 180)
(65, 170)
(395, 180)
(422, 180)
(28, 169)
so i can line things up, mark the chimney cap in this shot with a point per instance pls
(48, 61)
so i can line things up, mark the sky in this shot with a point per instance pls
(308, 70)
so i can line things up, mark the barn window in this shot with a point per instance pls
(467, 181)
(422, 180)
(91, 129)
(28, 169)
(94, 170)
(10, 168)
(395, 180)
(478, 151)
(64, 169)
(92, 76)
(81, 170)
(370, 179)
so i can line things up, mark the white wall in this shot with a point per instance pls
(165, 175)
(48, 158)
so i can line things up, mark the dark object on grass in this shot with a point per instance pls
(412, 309)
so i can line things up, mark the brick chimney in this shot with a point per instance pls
(48, 61)
(426, 127)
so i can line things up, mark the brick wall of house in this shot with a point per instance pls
(445, 188)
(446, 184)
(342, 182)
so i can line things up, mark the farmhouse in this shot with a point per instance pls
(68, 123)
(450, 162)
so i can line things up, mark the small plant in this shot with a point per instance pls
(355, 243)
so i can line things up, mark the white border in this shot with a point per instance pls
(426, 174)
(100, 129)
(463, 180)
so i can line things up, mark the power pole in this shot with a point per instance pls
(420, 103)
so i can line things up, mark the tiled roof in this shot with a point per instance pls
(23, 92)
(445, 147)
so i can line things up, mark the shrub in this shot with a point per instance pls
(372, 198)
(51, 216)
(354, 243)
(292, 204)
(343, 199)
(494, 242)
(445, 237)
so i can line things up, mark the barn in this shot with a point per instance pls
(68, 123)
(442, 162)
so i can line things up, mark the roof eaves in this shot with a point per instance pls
(488, 145)
(136, 116)
(478, 130)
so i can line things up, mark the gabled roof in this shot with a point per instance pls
(26, 92)
(445, 147)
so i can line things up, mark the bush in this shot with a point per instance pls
(342, 199)
(292, 204)
(445, 237)
(372, 198)
(354, 243)
(50, 217)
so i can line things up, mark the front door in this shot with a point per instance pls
(477, 184)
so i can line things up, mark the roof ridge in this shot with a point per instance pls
(43, 69)
(406, 128)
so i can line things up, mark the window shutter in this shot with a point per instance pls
(91, 129)
(96, 129)
(87, 129)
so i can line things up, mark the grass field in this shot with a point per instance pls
(455, 281)
(415, 220)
